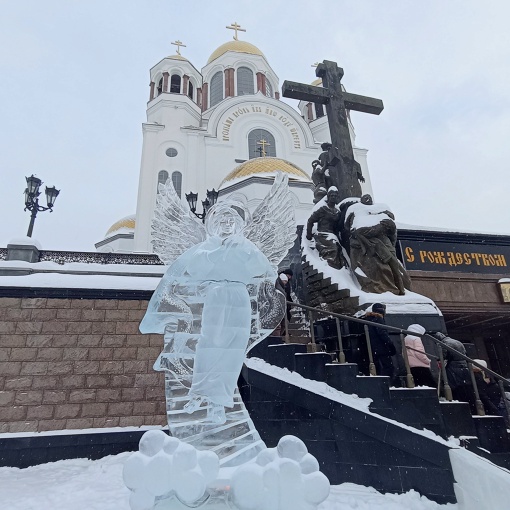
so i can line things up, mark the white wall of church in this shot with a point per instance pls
(212, 143)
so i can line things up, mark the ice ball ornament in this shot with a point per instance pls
(283, 478)
(165, 467)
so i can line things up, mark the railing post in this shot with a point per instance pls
(409, 375)
(287, 340)
(505, 400)
(371, 366)
(341, 354)
(480, 410)
(447, 390)
(313, 346)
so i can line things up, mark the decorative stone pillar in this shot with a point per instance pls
(165, 81)
(153, 85)
(261, 82)
(277, 95)
(24, 251)
(205, 91)
(229, 82)
(199, 97)
(185, 81)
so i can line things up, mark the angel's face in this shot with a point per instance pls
(227, 225)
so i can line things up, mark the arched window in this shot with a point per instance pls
(175, 84)
(216, 94)
(319, 110)
(261, 141)
(162, 178)
(269, 89)
(245, 81)
(190, 90)
(160, 86)
(177, 182)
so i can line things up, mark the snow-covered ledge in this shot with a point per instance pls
(23, 248)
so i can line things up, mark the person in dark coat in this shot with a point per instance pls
(487, 389)
(382, 347)
(457, 371)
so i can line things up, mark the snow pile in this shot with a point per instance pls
(283, 478)
(25, 241)
(83, 484)
(350, 496)
(479, 482)
(166, 467)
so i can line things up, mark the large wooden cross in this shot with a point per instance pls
(343, 169)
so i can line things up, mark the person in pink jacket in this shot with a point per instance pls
(418, 360)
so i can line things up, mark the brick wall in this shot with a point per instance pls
(77, 363)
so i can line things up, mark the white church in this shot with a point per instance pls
(223, 128)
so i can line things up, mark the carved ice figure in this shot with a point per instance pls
(169, 474)
(283, 478)
(166, 468)
(217, 298)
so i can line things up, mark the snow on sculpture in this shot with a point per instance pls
(372, 252)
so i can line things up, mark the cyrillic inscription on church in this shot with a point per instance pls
(271, 112)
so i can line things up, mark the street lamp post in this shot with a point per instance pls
(32, 199)
(211, 198)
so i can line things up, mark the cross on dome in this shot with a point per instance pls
(237, 28)
(178, 44)
(262, 150)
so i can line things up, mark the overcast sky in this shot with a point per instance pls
(75, 82)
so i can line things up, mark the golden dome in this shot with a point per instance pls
(265, 166)
(128, 223)
(177, 57)
(235, 45)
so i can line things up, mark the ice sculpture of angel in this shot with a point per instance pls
(217, 298)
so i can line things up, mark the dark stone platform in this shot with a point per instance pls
(30, 450)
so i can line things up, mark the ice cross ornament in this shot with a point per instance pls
(216, 300)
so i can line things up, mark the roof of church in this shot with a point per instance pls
(235, 45)
(177, 57)
(127, 223)
(265, 165)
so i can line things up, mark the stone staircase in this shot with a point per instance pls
(347, 448)
(324, 294)
(299, 332)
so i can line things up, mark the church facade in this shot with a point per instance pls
(224, 128)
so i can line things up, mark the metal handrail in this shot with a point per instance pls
(401, 331)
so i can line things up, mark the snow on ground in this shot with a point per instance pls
(83, 484)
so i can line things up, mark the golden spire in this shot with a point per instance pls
(178, 44)
(237, 28)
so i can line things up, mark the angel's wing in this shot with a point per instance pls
(174, 228)
(273, 226)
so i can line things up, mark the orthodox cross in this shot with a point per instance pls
(344, 170)
(262, 150)
(237, 28)
(178, 44)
